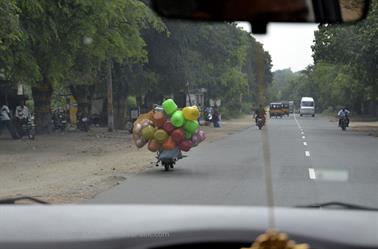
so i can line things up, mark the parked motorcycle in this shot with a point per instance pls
(59, 120)
(25, 127)
(168, 158)
(83, 122)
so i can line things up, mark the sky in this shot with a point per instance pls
(288, 44)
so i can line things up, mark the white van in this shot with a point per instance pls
(307, 106)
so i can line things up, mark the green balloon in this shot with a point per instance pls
(188, 135)
(191, 126)
(177, 119)
(161, 136)
(169, 106)
(148, 132)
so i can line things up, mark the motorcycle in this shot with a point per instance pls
(26, 127)
(59, 121)
(83, 122)
(259, 122)
(343, 123)
(168, 158)
(208, 116)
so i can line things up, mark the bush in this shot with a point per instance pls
(330, 111)
(131, 102)
(229, 113)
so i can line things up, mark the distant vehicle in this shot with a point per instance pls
(343, 123)
(291, 106)
(285, 108)
(83, 122)
(307, 106)
(59, 120)
(276, 110)
(260, 122)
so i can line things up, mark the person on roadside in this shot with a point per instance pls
(253, 112)
(343, 113)
(5, 118)
(260, 113)
(216, 118)
(22, 111)
(21, 115)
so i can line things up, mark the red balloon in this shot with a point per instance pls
(185, 145)
(168, 127)
(178, 135)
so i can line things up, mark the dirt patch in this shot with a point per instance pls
(371, 128)
(367, 125)
(73, 166)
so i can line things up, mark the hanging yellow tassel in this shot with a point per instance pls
(275, 240)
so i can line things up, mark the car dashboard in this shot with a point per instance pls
(174, 227)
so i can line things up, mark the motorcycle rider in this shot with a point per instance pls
(208, 114)
(343, 113)
(260, 113)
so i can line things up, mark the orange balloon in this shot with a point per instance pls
(158, 119)
(169, 144)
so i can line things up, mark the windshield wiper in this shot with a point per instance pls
(338, 205)
(14, 200)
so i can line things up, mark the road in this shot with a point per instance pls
(312, 161)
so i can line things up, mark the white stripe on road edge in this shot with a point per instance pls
(305, 143)
(303, 137)
(302, 132)
(311, 173)
(307, 153)
(296, 121)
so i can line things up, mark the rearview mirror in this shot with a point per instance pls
(264, 11)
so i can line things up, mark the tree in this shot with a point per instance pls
(60, 35)
(10, 34)
(354, 47)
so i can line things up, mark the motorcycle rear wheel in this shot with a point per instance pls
(166, 166)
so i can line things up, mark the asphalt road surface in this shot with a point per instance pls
(312, 161)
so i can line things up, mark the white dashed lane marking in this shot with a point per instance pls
(311, 173)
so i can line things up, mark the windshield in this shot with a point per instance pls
(307, 103)
(106, 102)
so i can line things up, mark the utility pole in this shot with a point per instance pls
(188, 92)
(109, 84)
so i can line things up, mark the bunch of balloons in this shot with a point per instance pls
(168, 128)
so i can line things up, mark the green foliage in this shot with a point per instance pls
(67, 44)
(131, 102)
(218, 57)
(281, 78)
(353, 49)
(345, 70)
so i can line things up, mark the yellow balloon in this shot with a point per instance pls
(191, 113)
